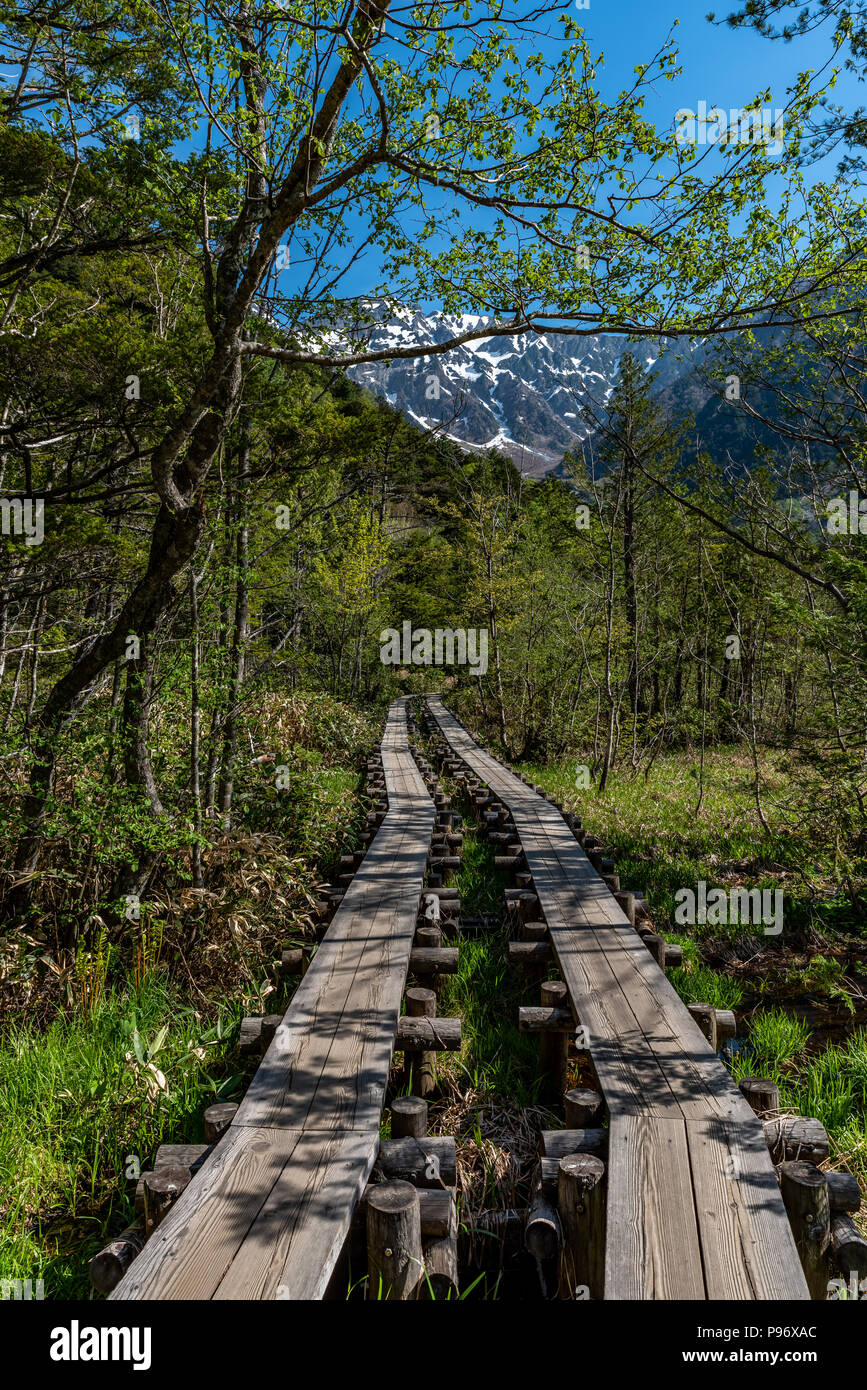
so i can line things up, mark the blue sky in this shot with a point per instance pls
(720, 66)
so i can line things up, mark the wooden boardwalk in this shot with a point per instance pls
(694, 1208)
(267, 1214)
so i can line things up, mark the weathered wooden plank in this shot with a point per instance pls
(747, 1242)
(652, 1248)
(292, 1246)
(195, 1245)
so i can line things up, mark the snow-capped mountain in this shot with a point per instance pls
(522, 395)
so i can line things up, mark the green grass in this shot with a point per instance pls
(82, 1104)
(696, 984)
(665, 840)
(486, 991)
(777, 1037)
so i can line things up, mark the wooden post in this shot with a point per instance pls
(554, 1047)
(394, 1254)
(440, 1257)
(421, 1003)
(408, 1117)
(161, 1190)
(581, 1204)
(543, 1235)
(761, 1095)
(217, 1120)
(656, 946)
(626, 903)
(805, 1196)
(705, 1017)
(292, 960)
(583, 1109)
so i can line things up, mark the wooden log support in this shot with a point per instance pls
(529, 953)
(292, 960)
(427, 1162)
(543, 1235)
(428, 1034)
(508, 862)
(190, 1156)
(217, 1119)
(421, 1003)
(554, 1044)
(408, 1117)
(394, 1253)
(256, 1034)
(543, 1020)
(705, 1017)
(427, 960)
(848, 1247)
(440, 1259)
(626, 903)
(161, 1190)
(792, 1137)
(844, 1194)
(443, 895)
(581, 1207)
(673, 956)
(557, 1143)
(107, 1268)
(726, 1026)
(428, 938)
(583, 1108)
(656, 946)
(805, 1195)
(762, 1095)
(434, 1208)
(527, 903)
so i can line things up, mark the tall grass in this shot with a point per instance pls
(84, 1105)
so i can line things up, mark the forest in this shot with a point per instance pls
(211, 532)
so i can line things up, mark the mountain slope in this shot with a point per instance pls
(521, 395)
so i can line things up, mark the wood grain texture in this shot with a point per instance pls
(652, 1246)
(747, 1243)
